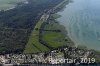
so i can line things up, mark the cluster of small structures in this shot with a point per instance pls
(59, 56)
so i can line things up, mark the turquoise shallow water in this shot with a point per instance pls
(82, 21)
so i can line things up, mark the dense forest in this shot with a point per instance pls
(16, 24)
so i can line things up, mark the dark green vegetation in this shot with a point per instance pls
(33, 45)
(48, 34)
(17, 24)
(54, 33)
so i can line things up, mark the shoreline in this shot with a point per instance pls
(51, 64)
(96, 52)
(14, 6)
(53, 10)
(76, 45)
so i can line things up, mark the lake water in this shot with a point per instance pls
(82, 21)
(6, 4)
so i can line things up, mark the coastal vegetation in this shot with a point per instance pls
(33, 45)
(54, 33)
(30, 28)
(17, 24)
(48, 34)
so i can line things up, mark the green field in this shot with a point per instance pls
(33, 45)
(52, 38)
(6, 4)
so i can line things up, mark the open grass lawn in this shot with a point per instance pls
(54, 39)
(33, 45)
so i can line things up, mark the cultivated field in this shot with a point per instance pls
(33, 45)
